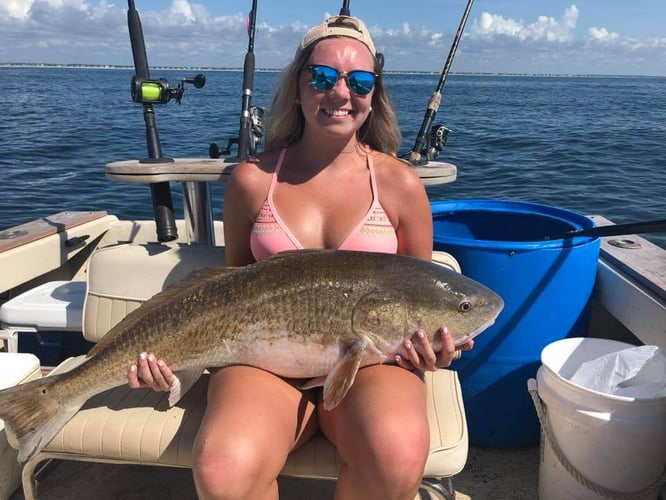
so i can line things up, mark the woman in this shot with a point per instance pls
(328, 179)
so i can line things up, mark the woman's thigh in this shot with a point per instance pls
(253, 410)
(383, 412)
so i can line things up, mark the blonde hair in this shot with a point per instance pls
(285, 121)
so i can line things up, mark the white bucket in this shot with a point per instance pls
(617, 442)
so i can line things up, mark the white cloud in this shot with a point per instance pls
(601, 34)
(184, 32)
(20, 9)
(544, 28)
(493, 24)
(17, 9)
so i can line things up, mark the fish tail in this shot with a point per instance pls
(33, 414)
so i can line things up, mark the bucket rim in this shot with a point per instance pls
(624, 400)
(574, 219)
(580, 340)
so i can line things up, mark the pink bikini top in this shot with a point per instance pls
(270, 235)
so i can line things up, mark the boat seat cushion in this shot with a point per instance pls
(122, 277)
(137, 426)
(446, 259)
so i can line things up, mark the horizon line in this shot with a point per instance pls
(277, 70)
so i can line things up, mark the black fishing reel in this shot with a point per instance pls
(255, 136)
(256, 128)
(157, 91)
(436, 142)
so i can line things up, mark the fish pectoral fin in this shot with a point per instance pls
(342, 376)
(312, 383)
(182, 382)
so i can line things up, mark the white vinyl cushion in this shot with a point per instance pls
(56, 305)
(17, 367)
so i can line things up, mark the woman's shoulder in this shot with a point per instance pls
(255, 170)
(395, 173)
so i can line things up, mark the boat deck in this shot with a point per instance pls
(490, 473)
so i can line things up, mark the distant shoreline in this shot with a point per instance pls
(277, 70)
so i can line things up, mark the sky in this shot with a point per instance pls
(608, 37)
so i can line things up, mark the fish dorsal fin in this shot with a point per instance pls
(304, 251)
(204, 274)
(191, 282)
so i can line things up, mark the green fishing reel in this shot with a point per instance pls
(158, 91)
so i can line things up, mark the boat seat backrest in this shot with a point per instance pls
(121, 277)
(446, 259)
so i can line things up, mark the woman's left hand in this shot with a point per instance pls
(419, 354)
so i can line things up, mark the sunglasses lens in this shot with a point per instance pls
(323, 77)
(361, 82)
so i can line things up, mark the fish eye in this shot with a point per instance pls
(465, 306)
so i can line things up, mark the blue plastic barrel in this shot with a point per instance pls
(546, 286)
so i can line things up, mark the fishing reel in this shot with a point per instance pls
(157, 91)
(436, 141)
(256, 128)
(256, 134)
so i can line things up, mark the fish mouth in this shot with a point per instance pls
(469, 336)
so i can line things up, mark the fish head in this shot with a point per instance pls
(447, 298)
(392, 296)
(432, 296)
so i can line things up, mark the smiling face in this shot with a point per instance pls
(337, 111)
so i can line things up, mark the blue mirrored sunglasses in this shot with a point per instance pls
(360, 82)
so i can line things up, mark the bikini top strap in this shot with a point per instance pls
(373, 180)
(278, 165)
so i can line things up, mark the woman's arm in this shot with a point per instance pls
(403, 196)
(405, 201)
(243, 197)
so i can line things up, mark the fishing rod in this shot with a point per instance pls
(438, 134)
(149, 91)
(344, 11)
(160, 192)
(251, 118)
(248, 82)
(653, 226)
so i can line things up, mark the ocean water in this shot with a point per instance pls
(596, 145)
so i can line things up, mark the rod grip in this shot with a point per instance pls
(248, 72)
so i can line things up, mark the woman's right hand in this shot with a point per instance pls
(150, 371)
